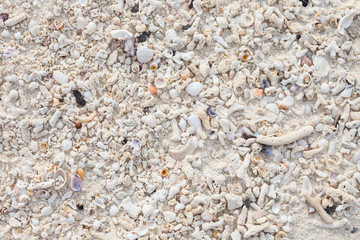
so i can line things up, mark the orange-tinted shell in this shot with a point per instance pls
(81, 173)
(164, 173)
(152, 89)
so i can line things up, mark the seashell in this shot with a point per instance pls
(43, 146)
(185, 74)
(211, 112)
(136, 144)
(60, 77)
(194, 88)
(160, 83)
(42, 194)
(259, 214)
(58, 25)
(246, 133)
(194, 121)
(266, 150)
(47, 211)
(307, 61)
(189, 148)
(13, 222)
(100, 203)
(152, 89)
(295, 27)
(127, 37)
(321, 65)
(346, 21)
(21, 216)
(76, 183)
(164, 173)
(144, 54)
(304, 80)
(81, 173)
(60, 179)
(3, 210)
(246, 20)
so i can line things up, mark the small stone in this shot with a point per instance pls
(66, 144)
(144, 54)
(60, 77)
(194, 88)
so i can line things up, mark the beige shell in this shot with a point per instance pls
(60, 179)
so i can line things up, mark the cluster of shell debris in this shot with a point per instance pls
(174, 119)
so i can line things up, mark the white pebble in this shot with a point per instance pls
(144, 54)
(60, 77)
(66, 144)
(151, 120)
(194, 88)
(113, 210)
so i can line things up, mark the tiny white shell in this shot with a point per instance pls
(246, 20)
(194, 88)
(160, 83)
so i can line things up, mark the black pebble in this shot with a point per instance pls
(354, 230)
(124, 141)
(143, 37)
(146, 109)
(298, 37)
(61, 100)
(80, 206)
(247, 203)
(330, 210)
(79, 98)
(135, 9)
(304, 2)
(186, 27)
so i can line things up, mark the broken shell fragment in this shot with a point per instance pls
(160, 83)
(345, 22)
(144, 54)
(246, 20)
(189, 148)
(76, 183)
(60, 179)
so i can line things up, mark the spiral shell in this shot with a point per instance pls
(3, 210)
